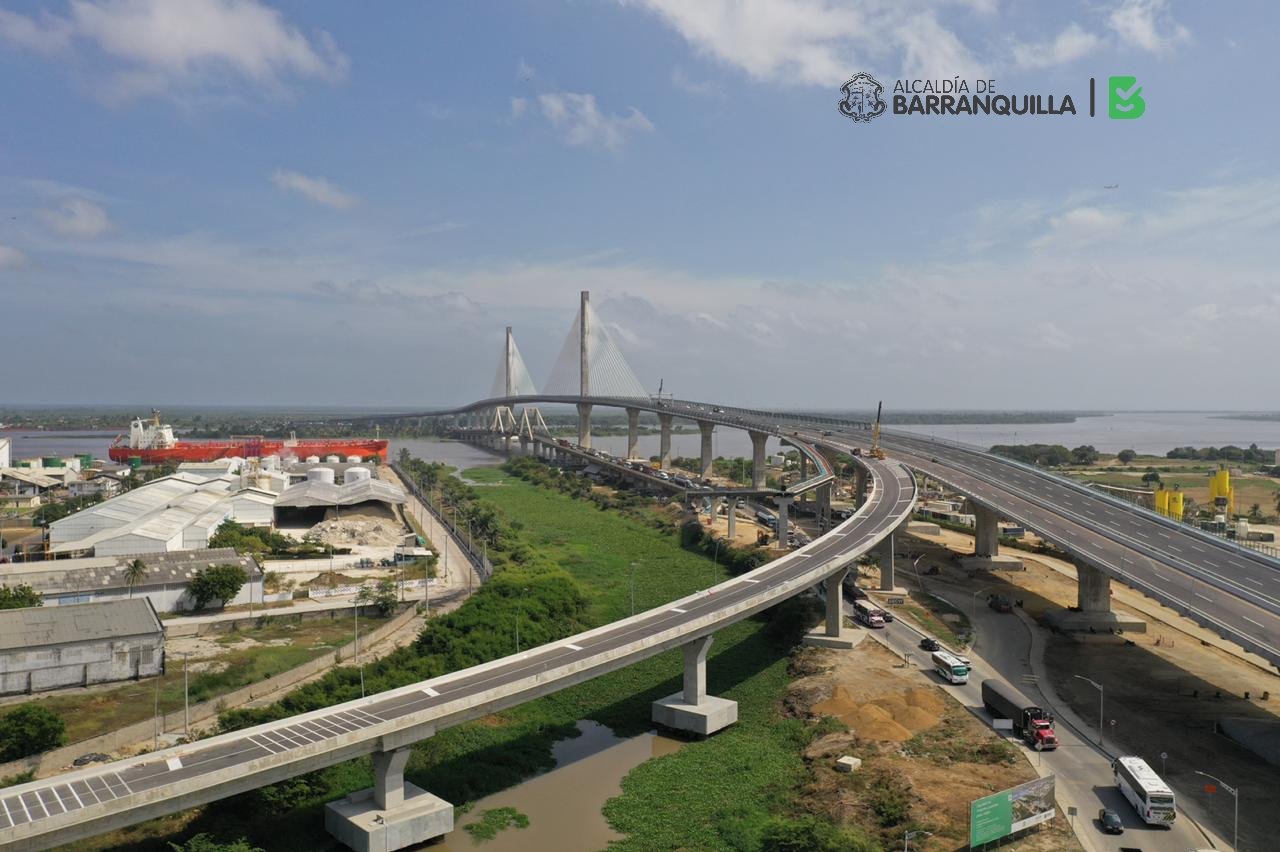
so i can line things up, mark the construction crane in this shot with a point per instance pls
(876, 452)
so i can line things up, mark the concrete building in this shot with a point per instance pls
(21, 480)
(103, 486)
(311, 500)
(61, 582)
(44, 648)
(6, 452)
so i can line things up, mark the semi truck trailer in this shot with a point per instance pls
(1030, 722)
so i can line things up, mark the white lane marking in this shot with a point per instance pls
(7, 815)
(1161, 576)
(38, 802)
(573, 647)
(1164, 535)
(1251, 621)
(89, 791)
(1202, 597)
(374, 716)
(25, 812)
(77, 795)
(56, 800)
(1251, 580)
(121, 782)
(1175, 549)
(268, 746)
(430, 692)
(678, 609)
(174, 763)
(746, 580)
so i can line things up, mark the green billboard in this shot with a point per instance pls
(1001, 814)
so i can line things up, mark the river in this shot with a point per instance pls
(1144, 431)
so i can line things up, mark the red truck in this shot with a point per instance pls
(1030, 722)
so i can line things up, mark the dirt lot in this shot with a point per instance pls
(924, 757)
(1165, 691)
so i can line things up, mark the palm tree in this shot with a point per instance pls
(136, 571)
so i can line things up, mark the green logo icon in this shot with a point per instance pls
(1124, 97)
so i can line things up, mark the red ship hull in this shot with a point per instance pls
(199, 451)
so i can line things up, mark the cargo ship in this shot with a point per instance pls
(152, 442)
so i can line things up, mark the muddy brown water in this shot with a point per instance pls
(564, 805)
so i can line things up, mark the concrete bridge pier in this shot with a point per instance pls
(731, 517)
(707, 447)
(758, 440)
(633, 432)
(394, 814)
(584, 425)
(986, 543)
(691, 709)
(784, 507)
(859, 486)
(832, 634)
(804, 473)
(664, 441)
(824, 505)
(1093, 613)
(885, 554)
(524, 445)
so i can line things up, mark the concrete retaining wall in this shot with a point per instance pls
(175, 629)
(51, 762)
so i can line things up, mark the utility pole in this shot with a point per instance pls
(1101, 694)
(1235, 795)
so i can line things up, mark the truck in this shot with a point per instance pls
(1000, 603)
(1030, 722)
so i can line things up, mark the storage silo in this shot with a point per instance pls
(321, 474)
(356, 474)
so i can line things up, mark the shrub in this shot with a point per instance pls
(217, 583)
(30, 729)
(18, 597)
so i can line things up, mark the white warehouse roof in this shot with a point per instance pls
(313, 492)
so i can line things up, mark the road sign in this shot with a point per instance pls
(1000, 814)
(1211, 788)
(1071, 810)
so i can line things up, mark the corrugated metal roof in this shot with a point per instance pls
(103, 573)
(36, 479)
(312, 492)
(89, 622)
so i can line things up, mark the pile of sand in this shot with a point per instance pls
(889, 718)
(367, 531)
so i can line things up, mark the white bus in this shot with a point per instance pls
(867, 613)
(950, 668)
(1149, 795)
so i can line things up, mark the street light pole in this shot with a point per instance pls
(1235, 795)
(1101, 695)
(906, 838)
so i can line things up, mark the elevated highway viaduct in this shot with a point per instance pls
(65, 808)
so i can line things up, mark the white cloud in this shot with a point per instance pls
(1208, 312)
(11, 258)
(518, 107)
(701, 88)
(1085, 224)
(525, 72)
(1071, 44)
(77, 217)
(581, 122)
(1147, 24)
(819, 42)
(317, 189)
(160, 45)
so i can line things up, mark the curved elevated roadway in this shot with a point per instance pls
(62, 809)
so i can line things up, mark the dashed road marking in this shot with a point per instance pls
(573, 647)
(678, 609)
(430, 692)
(174, 763)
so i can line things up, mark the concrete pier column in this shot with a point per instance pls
(707, 458)
(584, 425)
(633, 431)
(832, 634)
(784, 507)
(1093, 593)
(758, 471)
(859, 486)
(692, 709)
(524, 445)
(885, 553)
(392, 815)
(388, 777)
(804, 466)
(824, 504)
(731, 516)
(986, 539)
(664, 441)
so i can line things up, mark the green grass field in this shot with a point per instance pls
(694, 798)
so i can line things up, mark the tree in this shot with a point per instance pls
(208, 843)
(404, 457)
(19, 597)
(1126, 456)
(1084, 454)
(1151, 477)
(384, 595)
(135, 573)
(30, 729)
(1255, 513)
(218, 583)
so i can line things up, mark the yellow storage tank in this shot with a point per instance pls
(1162, 501)
(1176, 505)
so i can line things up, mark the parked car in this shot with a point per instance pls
(928, 643)
(1110, 822)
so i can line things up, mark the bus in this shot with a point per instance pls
(867, 613)
(1149, 795)
(950, 668)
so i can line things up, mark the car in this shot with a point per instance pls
(887, 616)
(928, 643)
(1110, 822)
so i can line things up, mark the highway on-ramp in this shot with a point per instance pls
(68, 807)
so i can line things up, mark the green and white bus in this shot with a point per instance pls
(950, 668)
(1149, 795)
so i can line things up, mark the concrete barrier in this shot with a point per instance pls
(51, 762)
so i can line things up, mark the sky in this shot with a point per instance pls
(248, 202)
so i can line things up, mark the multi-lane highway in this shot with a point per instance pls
(64, 808)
